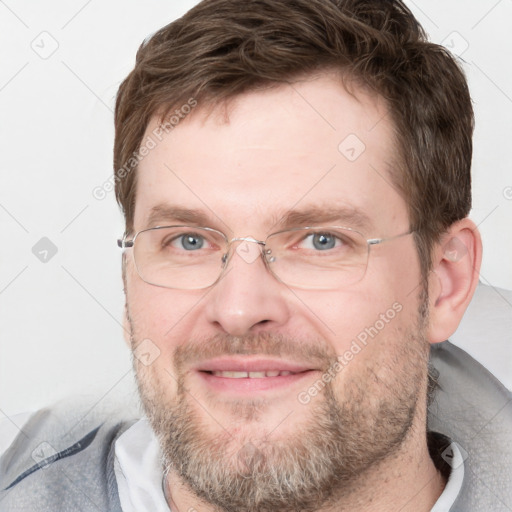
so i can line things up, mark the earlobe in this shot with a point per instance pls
(454, 277)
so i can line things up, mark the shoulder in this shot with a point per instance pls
(472, 407)
(62, 458)
(485, 331)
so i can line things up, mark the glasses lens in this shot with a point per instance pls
(318, 258)
(181, 257)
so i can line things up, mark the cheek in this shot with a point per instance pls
(157, 381)
(158, 314)
(373, 358)
(356, 314)
(372, 313)
(155, 314)
(394, 277)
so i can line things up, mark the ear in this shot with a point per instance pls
(452, 282)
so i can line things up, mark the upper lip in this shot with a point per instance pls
(254, 364)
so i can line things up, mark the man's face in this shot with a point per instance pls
(242, 442)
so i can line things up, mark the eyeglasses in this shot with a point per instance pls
(190, 258)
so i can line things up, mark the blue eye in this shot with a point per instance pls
(189, 242)
(323, 241)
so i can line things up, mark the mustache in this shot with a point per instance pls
(315, 353)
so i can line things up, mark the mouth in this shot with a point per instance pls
(251, 375)
(246, 376)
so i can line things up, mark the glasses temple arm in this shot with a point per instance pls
(375, 241)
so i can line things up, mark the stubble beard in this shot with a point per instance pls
(342, 438)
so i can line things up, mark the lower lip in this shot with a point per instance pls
(247, 385)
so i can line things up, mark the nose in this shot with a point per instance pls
(247, 298)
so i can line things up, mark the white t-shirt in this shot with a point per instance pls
(139, 473)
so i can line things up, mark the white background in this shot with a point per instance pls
(61, 320)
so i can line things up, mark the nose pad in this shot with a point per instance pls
(268, 257)
(249, 250)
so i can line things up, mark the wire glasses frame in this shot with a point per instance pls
(189, 257)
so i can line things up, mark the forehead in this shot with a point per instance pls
(306, 146)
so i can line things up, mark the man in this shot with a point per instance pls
(295, 179)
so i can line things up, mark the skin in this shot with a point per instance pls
(244, 165)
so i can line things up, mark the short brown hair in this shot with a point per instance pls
(222, 48)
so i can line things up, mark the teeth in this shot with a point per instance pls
(250, 375)
(231, 375)
(256, 375)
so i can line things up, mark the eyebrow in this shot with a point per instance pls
(328, 215)
(314, 215)
(163, 213)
